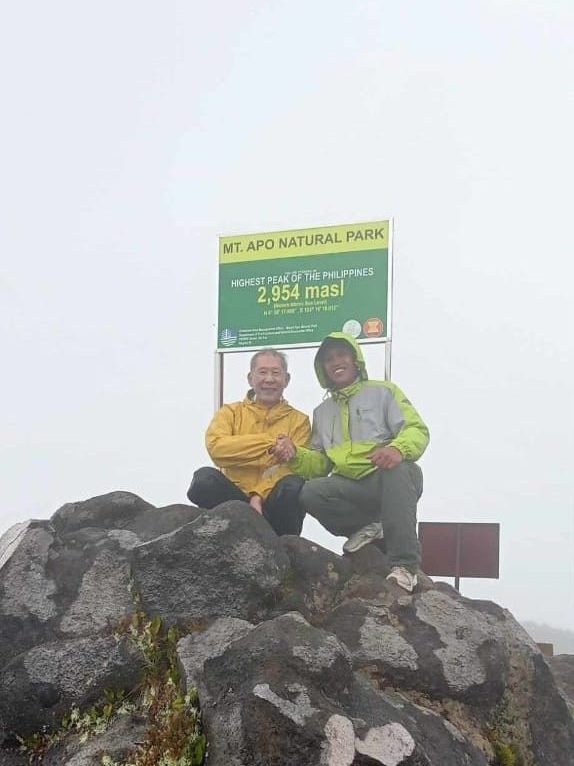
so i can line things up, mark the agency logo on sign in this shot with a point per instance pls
(352, 327)
(228, 337)
(373, 328)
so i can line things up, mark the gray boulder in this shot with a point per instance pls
(316, 579)
(116, 510)
(28, 609)
(285, 692)
(227, 562)
(70, 576)
(195, 649)
(42, 684)
(122, 511)
(62, 586)
(300, 656)
(162, 521)
(444, 646)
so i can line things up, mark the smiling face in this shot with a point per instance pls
(268, 379)
(340, 365)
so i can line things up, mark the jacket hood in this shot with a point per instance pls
(355, 348)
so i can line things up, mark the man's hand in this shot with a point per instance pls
(256, 502)
(386, 457)
(283, 450)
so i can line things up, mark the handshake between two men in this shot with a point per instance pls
(284, 450)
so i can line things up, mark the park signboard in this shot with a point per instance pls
(291, 288)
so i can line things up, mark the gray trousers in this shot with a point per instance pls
(343, 506)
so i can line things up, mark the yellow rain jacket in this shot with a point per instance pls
(240, 435)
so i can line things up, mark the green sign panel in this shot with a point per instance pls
(291, 288)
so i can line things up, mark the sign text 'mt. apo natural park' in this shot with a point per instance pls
(289, 288)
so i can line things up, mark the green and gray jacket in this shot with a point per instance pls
(353, 421)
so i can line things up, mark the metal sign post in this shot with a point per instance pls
(219, 379)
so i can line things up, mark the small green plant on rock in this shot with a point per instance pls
(174, 736)
(506, 753)
(94, 720)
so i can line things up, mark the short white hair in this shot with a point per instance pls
(269, 352)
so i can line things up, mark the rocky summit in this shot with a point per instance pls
(294, 655)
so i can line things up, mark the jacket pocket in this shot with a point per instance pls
(367, 425)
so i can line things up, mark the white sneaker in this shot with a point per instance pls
(364, 536)
(403, 578)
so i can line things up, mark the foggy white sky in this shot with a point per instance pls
(133, 133)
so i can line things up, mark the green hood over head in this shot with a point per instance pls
(341, 337)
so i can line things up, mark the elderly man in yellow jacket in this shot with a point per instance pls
(241, 440)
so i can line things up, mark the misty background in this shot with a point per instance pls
(133, 134)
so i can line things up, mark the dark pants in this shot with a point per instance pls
(343, 506)
(209, 487)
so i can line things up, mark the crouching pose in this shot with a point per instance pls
(241, 440)
(365, 440)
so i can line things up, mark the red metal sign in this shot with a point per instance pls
(459, 550)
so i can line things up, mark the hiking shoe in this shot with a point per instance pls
(363, 536)
(403, 578)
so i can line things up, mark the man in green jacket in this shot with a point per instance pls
(363, 481)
